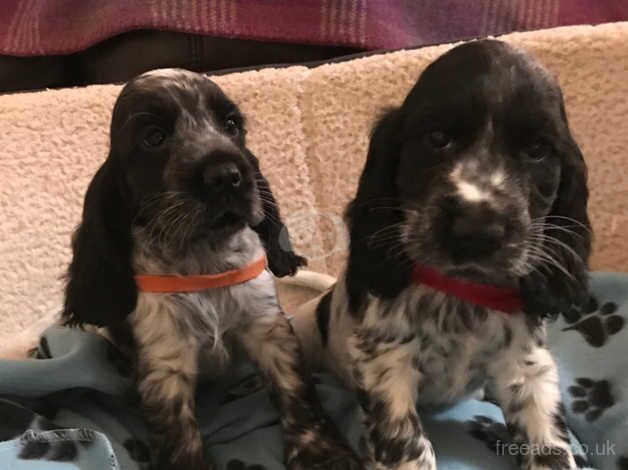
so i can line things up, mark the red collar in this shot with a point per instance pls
(497, 298)
(169, 284)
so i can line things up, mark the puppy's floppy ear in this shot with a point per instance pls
(374, 219)
(101, 289)
(282, 259)
(551, 292)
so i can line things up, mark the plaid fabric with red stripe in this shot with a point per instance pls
(43, 27)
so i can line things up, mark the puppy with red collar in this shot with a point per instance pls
(468, 228)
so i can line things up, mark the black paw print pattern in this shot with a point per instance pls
(56, 446)
(595, 323)
(591, 397)
(489, 431)
(237, 464)
(622, 463)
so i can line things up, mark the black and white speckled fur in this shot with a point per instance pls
(428, 349)
(179, 336)
(180, 194)
(501, 200)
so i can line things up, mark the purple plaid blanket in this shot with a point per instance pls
(43, 27)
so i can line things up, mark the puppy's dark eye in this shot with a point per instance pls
(439, 140)
(232, 126)
(538, 151)
(153, 137)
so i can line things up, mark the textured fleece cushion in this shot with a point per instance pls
(310, 129)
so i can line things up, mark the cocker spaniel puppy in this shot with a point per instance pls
(468, 229)
(180, 195)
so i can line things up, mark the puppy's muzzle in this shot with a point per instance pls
(470, 232)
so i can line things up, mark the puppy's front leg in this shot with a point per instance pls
(311, 441)
(167, 372)
(388, 382)
(526, 387)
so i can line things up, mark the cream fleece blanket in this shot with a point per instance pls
(310, 129)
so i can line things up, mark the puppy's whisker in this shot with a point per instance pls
(181, 224)
(572, 220)
(389, 232)
(558, 228)
(270, 216)
(267, 198)
(188, 225)
(559, 243)
(391, 208)
(551, 261)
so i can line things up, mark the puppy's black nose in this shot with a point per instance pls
(472, 231)
(222, 177)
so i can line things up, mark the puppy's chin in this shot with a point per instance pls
(487, 274)
(236, 211)
(222, 223)
(501, 268)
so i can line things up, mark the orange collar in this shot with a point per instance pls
(165, 284)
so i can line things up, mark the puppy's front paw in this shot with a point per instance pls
(321, 453)
(543, 298)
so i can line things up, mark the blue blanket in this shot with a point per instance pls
(74, 406)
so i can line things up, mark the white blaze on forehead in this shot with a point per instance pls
(471, 192)
(468, 190)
